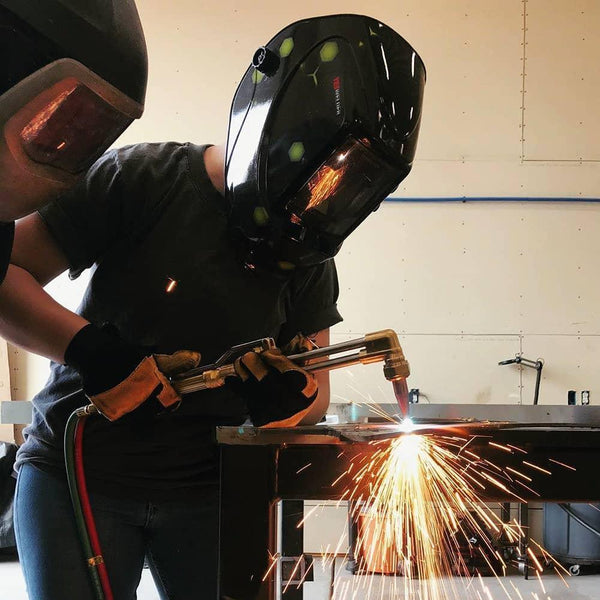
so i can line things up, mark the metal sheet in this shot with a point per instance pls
(307, 468)
(551, 415)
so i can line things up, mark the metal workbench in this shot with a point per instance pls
(259, 467)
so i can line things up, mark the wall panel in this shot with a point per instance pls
(562, 80)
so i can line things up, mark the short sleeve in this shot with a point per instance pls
(313, 301)
(7, 234)
(86, 220)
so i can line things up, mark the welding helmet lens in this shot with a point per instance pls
(342, 192)
(61, 118)
(71, 128)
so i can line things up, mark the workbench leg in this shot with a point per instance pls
(524, 541)
(247, 523)
(292, 540)
(352, 562)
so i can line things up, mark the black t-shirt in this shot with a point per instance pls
(146, 216)
(7, 234)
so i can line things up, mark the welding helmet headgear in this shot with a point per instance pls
(72, 78)
(323, 127)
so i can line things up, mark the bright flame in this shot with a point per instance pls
(407, 425)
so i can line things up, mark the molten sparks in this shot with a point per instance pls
(545, 471)
(417, 503)
(557, 462)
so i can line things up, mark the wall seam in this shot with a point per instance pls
(523, 75)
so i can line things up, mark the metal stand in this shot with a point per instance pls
(296, 567)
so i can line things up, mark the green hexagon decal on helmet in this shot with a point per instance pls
(286, 47)
(260, 216)
(296, 151)
(329, 50)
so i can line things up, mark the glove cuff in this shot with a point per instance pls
(125, 397)
(103, 360)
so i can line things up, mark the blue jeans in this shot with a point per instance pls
(179, 540)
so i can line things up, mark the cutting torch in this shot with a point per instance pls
(379, 346)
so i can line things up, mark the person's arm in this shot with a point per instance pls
(29, 317)
(117, 376)
(321, 404)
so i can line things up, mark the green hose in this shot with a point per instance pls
(70, 432)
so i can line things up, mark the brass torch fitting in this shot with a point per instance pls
(385, 342)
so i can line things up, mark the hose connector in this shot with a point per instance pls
(385, 343)
(87, 410)
(396, 367)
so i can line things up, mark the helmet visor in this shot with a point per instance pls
(72, 128)
(348, 185)
(61, 118)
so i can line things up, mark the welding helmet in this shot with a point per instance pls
(72, 78)
(323, 127)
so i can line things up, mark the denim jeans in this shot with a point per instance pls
(178, 539)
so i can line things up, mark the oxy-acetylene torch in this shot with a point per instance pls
(379, 346)
(373, 347)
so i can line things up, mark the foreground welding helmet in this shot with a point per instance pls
(323, 127)
(72, 78)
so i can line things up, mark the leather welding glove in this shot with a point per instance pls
(299, 343)
(278, 392)
(118, 377)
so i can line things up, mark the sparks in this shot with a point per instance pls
(417, 502)
(542, 470)
(303, 468)
(563, 464)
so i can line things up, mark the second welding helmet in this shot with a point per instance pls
(323, 127)
(72, 78)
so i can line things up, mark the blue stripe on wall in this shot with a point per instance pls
(492, 199)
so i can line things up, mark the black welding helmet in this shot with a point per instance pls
(72, 78)
(323, 127)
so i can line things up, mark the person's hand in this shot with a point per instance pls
(278, 392)
(118, 377)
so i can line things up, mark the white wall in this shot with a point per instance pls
(510, 110)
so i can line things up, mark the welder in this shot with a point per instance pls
(72, 78)
(200, 247)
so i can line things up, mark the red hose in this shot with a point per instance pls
(87, 510)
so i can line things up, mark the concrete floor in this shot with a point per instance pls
(585, 587)
(12, 584)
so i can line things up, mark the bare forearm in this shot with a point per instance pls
(33, 320)
(321, 404)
